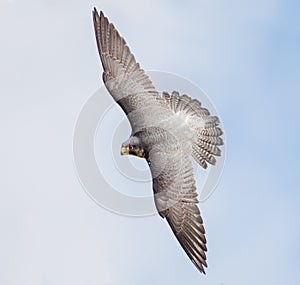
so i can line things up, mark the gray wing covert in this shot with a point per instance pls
(122, 76)
(176, 200)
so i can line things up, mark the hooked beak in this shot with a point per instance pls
(124, 150)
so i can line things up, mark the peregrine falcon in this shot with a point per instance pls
(167, 130)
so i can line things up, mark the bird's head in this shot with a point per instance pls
(133, 147)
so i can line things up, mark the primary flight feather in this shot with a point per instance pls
(166, 131)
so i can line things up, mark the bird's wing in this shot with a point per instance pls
(122, 76)
(176, 200)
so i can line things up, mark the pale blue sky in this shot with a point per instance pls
(243, 54)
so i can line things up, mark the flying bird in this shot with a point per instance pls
(167, 130)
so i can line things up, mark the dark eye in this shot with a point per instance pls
(130, 147)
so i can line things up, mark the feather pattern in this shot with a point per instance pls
(125, 80)
(170, 128)
(176, 200)
(204, 127)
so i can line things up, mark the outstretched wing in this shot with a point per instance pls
(122, 76)
(176, 200)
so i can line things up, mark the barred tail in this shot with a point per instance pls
(207, 134)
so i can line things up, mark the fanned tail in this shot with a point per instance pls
(207, 134)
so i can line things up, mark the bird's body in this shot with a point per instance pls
(166, 131)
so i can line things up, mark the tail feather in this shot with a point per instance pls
(209, 147)
(211, 140)
(204, 126)
(175, 98)
(212, 131)
(183, 103)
